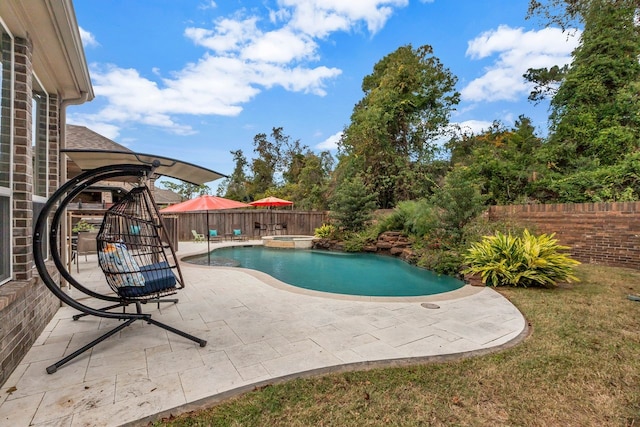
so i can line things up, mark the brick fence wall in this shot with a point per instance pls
(598, 233)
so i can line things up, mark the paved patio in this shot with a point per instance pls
(259, 331)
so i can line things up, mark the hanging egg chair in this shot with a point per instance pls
(134, 252)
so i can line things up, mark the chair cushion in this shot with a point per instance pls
(213, 233)
(237, 232)
(157, 277)
(119, 266)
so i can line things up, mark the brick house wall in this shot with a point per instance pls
(597, 233)
(26, 304)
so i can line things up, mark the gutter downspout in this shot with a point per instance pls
(62, 175)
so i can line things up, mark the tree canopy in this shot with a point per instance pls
(390, 140)
(391, 147)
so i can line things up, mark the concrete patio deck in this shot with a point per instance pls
(259, 331)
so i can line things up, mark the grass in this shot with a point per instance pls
(579, 367)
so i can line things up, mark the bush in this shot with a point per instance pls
(83, 225)
(503, 259)
(355, 242)
(326, 231)
(352, 205)
(412, 217)
(440, 261)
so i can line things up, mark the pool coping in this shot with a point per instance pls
(464, 291)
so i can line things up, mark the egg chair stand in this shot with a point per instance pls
(134, 253)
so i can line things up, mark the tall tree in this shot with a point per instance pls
(407, 103)
(265, 166)
(594, 114)
(236, 185)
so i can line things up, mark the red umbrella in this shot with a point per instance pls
(204, 203)
(271, 201)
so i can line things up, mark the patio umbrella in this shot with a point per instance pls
(271, 202)
(204, 203)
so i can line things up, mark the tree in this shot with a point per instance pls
(559, 12)
(546, 81)
(185, 189)
(458, 201)
(353, 204)
(595, 111)
(407, 103)
(236, 185)
(264, 166)
(310, 187)
(501, 161)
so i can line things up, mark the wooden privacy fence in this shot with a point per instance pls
(253, 223)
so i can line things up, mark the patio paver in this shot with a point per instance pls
(258, 331)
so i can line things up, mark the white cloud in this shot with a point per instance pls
(88, 39)
(473, 127)
(228, 36)
(319, 18)
(281, 46)
(330, 143)
(517, 51)
(208, 5)
(245, 55)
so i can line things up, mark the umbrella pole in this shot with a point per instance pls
(208, 242)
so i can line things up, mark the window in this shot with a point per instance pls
(40, 147)
(6, 101)
(39, 138)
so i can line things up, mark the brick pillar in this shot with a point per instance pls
(22, 163)
(54, 143)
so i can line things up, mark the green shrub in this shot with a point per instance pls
(325, 231)
(440, 261)
(83, 225)
(355, 242)
(503, 259)
(412, 217)
(352, 205)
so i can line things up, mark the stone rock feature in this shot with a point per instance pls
(388, 243)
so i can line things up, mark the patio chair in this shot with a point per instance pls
(197, 237)
(214, 236)
(237, 234)
(259, 229)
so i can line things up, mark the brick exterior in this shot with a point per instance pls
(26, 304)
(598, 233)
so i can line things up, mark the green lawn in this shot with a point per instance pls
(579, 367)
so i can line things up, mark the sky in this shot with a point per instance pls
(196, 79)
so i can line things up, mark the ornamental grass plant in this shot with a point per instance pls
(527, 260)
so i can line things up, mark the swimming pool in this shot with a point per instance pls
(335, 272)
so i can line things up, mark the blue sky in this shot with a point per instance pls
(195, 79)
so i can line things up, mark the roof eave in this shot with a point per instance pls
(58, 54)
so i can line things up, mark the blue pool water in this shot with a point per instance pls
(336, 272)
